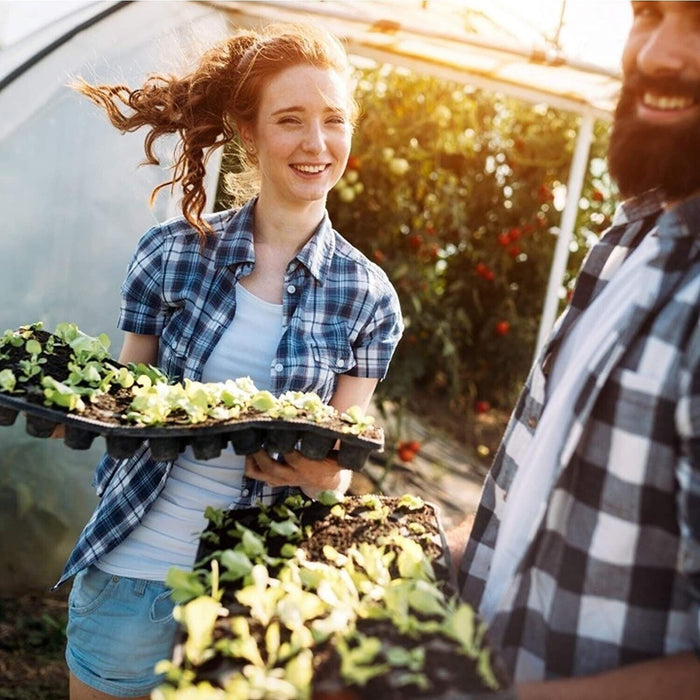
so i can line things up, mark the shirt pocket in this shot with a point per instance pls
(330, 347)
(634, 423)
(643, 404)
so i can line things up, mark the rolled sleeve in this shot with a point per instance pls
(142, 307)
(377, 342)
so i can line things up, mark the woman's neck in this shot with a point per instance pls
(287, 227)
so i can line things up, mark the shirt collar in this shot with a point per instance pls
(236, 243)
(637, 208)
(684, 218)
(318, 251)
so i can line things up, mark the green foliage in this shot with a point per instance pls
(456, 194)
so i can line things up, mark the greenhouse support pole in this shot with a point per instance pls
(577, 174)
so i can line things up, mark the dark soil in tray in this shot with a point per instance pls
(451, 674)
(325, 529)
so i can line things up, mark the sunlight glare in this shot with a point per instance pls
(592, 31)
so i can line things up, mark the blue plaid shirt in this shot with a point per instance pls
(340, 316)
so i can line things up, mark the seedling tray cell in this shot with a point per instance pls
(77, 438)
(207, 441)
(247, 441)
(122, 446)
(38, 426)
(208, 446)
(166, 449)
(8, 416)
(316, 445)
(281, 439)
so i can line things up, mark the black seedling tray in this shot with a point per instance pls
(166, 442)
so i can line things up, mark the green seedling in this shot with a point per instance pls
(60, 394)
(8, 381)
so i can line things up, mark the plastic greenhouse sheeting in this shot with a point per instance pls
(75, 203)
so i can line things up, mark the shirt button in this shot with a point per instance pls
(532, 421)
(279, 367)
(291, 289)
(245, 493)
(340, 362)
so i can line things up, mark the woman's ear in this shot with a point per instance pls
(247, 137)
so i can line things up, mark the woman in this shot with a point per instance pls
(269, 291)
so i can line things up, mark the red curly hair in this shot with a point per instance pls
(204, 106)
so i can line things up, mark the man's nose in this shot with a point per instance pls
(664, 50)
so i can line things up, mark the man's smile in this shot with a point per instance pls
(664, 108)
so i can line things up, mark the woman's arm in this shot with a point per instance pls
(353, 391)
(139, 348)
(313, 475)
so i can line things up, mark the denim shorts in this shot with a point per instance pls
(118, 629)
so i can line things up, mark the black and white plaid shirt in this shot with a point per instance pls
(612, 575)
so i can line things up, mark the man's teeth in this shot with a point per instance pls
(666, 102)
(310, 168)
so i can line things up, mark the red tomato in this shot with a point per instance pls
(544, 193)
(415, 241)
(406, 454)
(502, 327)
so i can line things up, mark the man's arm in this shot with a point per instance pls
(676, 677)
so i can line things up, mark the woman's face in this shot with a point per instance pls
(302, 134)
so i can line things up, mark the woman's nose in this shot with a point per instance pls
(314, 140)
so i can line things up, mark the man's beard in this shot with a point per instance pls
(644, 156)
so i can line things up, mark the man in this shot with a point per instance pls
(584, 555)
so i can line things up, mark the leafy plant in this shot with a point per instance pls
(290, 607)
(8, 381)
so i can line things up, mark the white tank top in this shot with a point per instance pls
(169, 533)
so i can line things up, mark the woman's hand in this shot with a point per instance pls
(311, 475)
(314, 475)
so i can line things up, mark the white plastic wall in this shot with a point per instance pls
(74, 203)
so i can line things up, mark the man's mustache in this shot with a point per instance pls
(638, 83)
